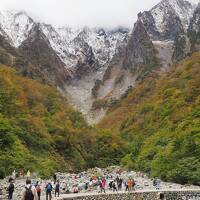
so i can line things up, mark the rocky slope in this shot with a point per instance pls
(61, 56)
(132, 62)
(157, 40)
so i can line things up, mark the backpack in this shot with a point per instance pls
(29, 194)
(49, 187)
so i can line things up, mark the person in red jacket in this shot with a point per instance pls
(103, 185)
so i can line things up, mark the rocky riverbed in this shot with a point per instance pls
(86, 182)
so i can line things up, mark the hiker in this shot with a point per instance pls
(110, 185)
(86, 186)
(114, 186)
(157, 184)
(117, 179)
(54, 178)
(28, 175)
(48, 191)
(103, 185)
(130, 184)
(57, 189)
(14, 175)
(21, 173)
(126, 185)
(38, 189)
(67, 188)
(75, 188)
(133, 184)
(154, 182)
(99, 186)
(120, 184)
(11, 188)
(30, 192)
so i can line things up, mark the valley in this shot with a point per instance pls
(77, 98)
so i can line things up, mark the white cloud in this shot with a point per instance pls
(82, 12)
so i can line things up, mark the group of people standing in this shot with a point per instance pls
(116, 184)
(130, 184)
(21, 174)
(34, 191)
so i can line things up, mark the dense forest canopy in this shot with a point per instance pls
(159, 122)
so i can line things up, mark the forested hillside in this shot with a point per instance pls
(159, 121)
(39, 131)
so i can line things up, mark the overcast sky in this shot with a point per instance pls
(82, 12)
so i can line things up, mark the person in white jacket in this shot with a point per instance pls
(29, 192)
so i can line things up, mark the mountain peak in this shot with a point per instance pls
(140, 49)
(181, 8)
(16, 25)
(168, 18)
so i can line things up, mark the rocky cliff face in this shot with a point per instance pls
(194, 30)
(158, 39)
(37, 49)
(4, 44)
(140, 50)
(167, 19)
(189, 41)
(181, 47)
(133, 62)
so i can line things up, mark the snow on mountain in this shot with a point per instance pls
(16, 25)
(59, 44)
(67, 42)
(103, 43)
(183, 9)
